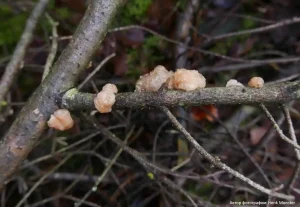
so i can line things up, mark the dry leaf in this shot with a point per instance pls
(199, 114)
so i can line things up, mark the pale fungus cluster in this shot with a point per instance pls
(61, 120)
(154, 80)
(255, 82)
(186, 80)
(181, 79)
(106, 98)
(233, 82)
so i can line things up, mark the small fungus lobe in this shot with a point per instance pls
(233, 82)
(154, 80)
(61, 120)
(106, 98)
(187, 80)
(256, 82)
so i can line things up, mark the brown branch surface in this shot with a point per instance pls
(279, 93)
(31, 122)
(15, 64)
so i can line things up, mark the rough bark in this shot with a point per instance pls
(279, 93)
(31, 122)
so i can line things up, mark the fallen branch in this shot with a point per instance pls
(279, 93)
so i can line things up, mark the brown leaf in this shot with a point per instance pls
(200, 113)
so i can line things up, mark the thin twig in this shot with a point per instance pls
(44, 201)
(243, 16)
(216, 161)
(53, 49)
(102, 176)
(63, 150)
(277, 128)
(155, 140)
(63, 192)
(73, 176)
(289, 78)
(60, 151)
(292, 134)
(96, 70)
(205, 52)
(175, 186)
(245, 63)
(184, 162)
(267, 137)
(15, 64)
(72, 198)
(257, 30)
(242, 66)
(42, 179)
(149, 165)
(260, 170)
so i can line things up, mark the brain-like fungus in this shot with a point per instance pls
(154, 80)
(110, 87)
(186, 80)
(61, 120)
(256, 82)
(233, 82)
(106, 98)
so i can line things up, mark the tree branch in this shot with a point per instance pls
(26, 129)
(279, 93)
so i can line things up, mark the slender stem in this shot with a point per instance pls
(292, 134)
(277, 128)
(102, 176)
(53, 49)
(257, 30)
(96, 70)
(15, 64)
(42, 179)
(216, 161)
(182, 44)
(235, 138)
(175, 186)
